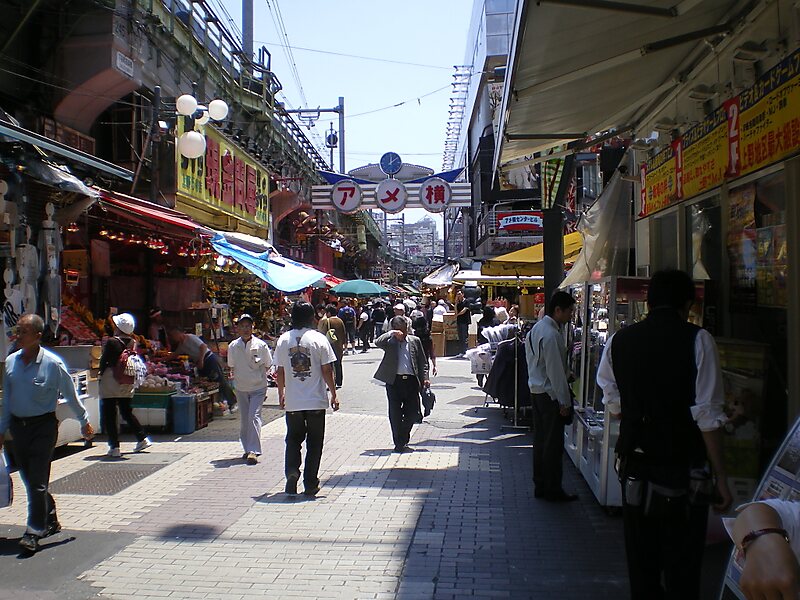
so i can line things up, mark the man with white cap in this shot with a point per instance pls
(115, 394)
(249, 358)
(400, 311)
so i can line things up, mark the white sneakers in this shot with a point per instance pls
(143, 445)
(114, 453)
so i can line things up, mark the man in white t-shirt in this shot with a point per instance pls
(305, 367)
(364, 327)
(250, 359)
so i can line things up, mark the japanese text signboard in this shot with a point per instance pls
(225, 178)
(748, 132)
(391, 195)
(347, 196)
(435, 194)
(523, 222)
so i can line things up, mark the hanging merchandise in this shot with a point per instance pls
(12, 310)
(28, 271)
(50, 247)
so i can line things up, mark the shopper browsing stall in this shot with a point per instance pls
(249, 358)
(116, 395)
(207, 363)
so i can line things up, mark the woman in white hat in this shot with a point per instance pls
(115, 394)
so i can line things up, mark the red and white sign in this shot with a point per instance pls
(346, 195)
(435, 194)
(391, 195)
(529, 221)
(732, 111)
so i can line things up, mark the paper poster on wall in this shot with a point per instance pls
(742, 248)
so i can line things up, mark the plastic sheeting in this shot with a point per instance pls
(607, 230)
(443, 276)
(281, 273)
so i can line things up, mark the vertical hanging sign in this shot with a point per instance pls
(732, 111)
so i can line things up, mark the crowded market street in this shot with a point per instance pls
(454, 519)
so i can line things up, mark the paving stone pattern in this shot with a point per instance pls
(455, 519)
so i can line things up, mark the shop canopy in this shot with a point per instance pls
(442, 277)
(475, 277)
(146, 213)
(281, 273)
(530, 261)
(622, 61)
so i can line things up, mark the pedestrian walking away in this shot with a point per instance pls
(333, 328)
(378, 317)
(364, 328)
(404, 370)
(34, 378)
(250, 359)
(115, 395)
(463, 320)
(348, 316)
(551, 401)
(662, 378)
(305, 368)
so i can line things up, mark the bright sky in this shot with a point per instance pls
(425, 32)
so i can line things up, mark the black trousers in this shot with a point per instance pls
(308, 426)
(404, 409)
(34, 442)
(668, 543)
(108, 419)
(363, 335)
(338, 372)
(548, 444)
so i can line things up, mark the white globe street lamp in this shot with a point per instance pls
(192, 144)
(186, 105)
(218, 109)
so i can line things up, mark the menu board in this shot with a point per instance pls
(781, 481)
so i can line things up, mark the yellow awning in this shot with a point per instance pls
(530, 261)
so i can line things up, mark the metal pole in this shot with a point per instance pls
(247, 32)
(341, 136)
(155, 154)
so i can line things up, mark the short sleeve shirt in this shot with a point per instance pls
(249, 361)
(302, 353)
(190, 346)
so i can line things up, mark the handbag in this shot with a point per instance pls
(6, 485)
(428, 399)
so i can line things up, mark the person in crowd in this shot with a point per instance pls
(463, 320)
(34, 379)
(250, 359)
(348, 316)
(157, 332)
(551, 401)
(400, 311)
(502, 315)
(404, 370)
(364, 327)
(422, 331)
(662, 377)
(768, 534)
(513, 314)
(488, 319)
(319, 314)
(378, 317)
(115, 395)
(305, 368)
(441, 308)
(332, 327)
(207, 363)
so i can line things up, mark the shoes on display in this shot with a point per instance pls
(114, 453)
(29, 542)
(291, 484)
(143, 445)
(311, 491)
(251, 458)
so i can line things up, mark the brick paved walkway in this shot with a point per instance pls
(455, 519)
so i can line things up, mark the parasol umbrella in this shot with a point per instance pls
(359, 288)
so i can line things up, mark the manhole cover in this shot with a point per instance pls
(103, 479)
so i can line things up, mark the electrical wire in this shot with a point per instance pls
(398, 104)
(372, 58)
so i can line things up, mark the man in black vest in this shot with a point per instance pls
(662, 378)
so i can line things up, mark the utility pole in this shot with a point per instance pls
(336, 109)
(155, 144)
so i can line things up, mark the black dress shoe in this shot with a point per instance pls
(397, 450)
(311, 491)
(291, 485)
(52, 529)
(29, 543)
(407, 450)
(561, 497)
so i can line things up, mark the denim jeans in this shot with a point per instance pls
(212, 369)
(308, 425)
(34, 442)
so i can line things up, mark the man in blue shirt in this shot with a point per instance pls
(34, 379)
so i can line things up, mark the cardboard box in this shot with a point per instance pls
(439, 344)
(473, 340)
(450, 327)
(437, 325)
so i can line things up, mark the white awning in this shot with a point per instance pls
(579, 68)
(475, 277)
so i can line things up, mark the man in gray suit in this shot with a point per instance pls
(404, 369)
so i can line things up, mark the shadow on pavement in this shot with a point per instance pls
(225, 463)
(283, 498)
(200, 531)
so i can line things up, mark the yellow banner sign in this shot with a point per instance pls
(225, 178)
(748, 132)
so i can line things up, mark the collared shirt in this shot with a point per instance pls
(546, 353)
(404, 366)
(250, 361)
(709, 391)
(33, 389)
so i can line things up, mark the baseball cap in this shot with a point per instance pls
(125, 323)
(246, 316)
(400, 307)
